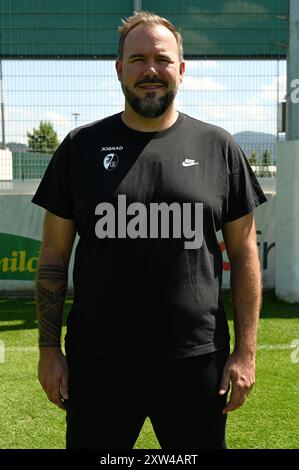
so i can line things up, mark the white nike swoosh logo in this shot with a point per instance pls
(190, 164)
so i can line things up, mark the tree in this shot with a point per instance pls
(266, 158)
(44, 139)
(253, 158)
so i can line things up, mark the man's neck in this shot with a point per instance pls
(133, 120)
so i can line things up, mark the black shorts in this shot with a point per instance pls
(110, 399)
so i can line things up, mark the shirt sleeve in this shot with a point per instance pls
(54, 192)
(244, 192)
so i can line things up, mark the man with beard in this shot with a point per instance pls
(147, 335)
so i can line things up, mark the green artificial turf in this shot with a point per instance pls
(268, 420)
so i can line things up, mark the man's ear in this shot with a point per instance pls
(182, 70)
(118, 67)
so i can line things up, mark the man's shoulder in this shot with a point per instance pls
(105, 124)
(206, 128)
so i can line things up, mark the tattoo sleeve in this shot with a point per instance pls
(51, 286)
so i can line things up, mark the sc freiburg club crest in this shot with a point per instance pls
(110, 162)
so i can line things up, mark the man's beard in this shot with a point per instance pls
(150, 106)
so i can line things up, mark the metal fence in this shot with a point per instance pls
(27, 165)
(241, 96)
(57, 72)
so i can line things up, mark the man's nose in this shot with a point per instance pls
(151, 69)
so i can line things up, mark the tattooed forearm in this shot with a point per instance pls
(51, 286)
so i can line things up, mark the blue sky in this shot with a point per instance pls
(236, 95)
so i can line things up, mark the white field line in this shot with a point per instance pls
(21, 349)
(274, 347)
(263, 347)
(294, 345)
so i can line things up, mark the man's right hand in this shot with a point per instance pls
(53, 374)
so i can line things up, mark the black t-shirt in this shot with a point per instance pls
(147, 296)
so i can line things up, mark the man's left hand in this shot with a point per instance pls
(240, 371)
